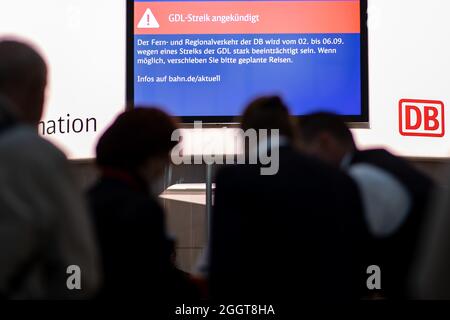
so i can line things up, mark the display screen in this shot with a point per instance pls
(205, 60)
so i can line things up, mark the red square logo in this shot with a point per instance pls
(421, 118)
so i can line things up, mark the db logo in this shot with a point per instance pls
(422, 118)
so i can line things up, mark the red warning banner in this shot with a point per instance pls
(247, 17)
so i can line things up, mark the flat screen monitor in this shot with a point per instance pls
(205, 60)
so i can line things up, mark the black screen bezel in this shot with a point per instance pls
(363, 118)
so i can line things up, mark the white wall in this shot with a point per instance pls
(409, 57)
(84, 42)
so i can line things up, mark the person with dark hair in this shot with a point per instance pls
(269, 113)
(135, 138)
(307, 210)
(324, 135)
(136, 252)
(44, 223)
(395, 195)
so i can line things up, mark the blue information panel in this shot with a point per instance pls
(208, 59)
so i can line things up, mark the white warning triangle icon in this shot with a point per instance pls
(148, 21)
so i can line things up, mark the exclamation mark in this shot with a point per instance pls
(148, 20)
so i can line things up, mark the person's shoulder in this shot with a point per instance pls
(377, 154)
(376, 151)
(291, 162)
(312, 169)
(23, 140)
(235, 174)
(142, 209)
(117, 195)
(307, 164)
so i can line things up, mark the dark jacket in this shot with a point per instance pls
(134, 248)
(296, 232)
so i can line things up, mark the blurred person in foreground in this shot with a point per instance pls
(290, 232)
(136, 252)
(44, 224)
(395, 196)
(431, 277)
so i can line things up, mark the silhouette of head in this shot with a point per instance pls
(139, 141)
(268, 113)
(23, 79)
(325, 135)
